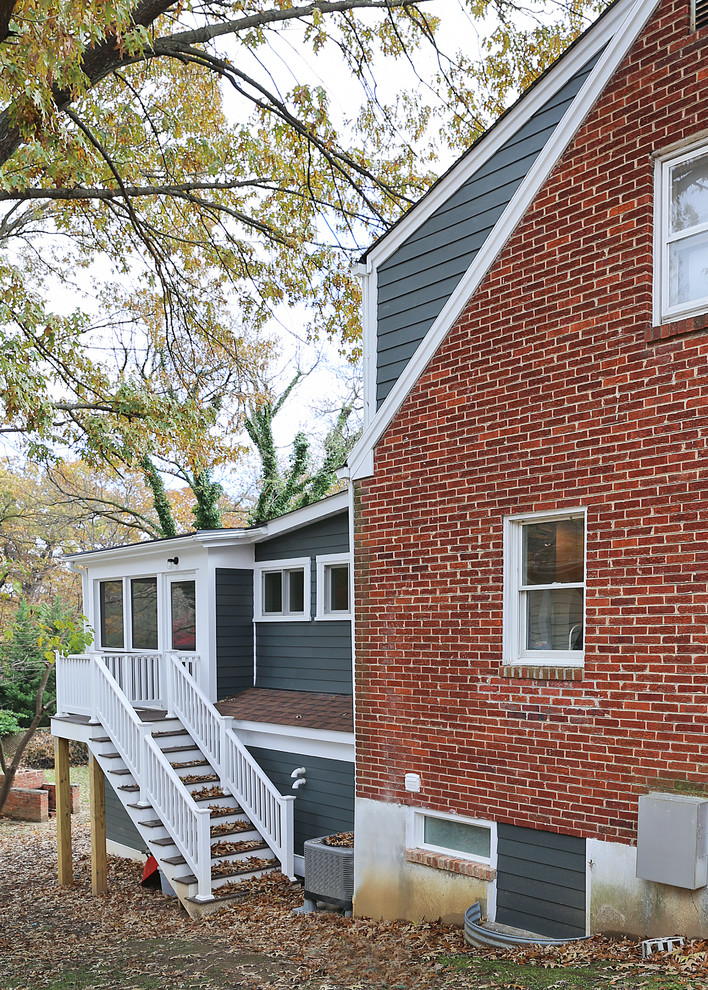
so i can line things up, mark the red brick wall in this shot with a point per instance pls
(552, 391)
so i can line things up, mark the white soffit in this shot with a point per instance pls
(618, 44)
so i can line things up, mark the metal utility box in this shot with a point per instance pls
(672, 843)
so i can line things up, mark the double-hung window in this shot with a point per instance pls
(544, 588)
(283, 590)
(681, 256)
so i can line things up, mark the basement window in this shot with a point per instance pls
(464, 838)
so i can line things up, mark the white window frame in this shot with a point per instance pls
(179, 578)
(127, 614)
(663, 311)
(324, 563)
(513, 635)
(281, 567)
(415, 835)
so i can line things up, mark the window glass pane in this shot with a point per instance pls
(143, 610)
(338, 589)
(476, 840)
(296, 584)
(688, 269)
(689, 194)
(554, 552)
(111, 596)
(273, 591)
(554, 619)
(183, 610)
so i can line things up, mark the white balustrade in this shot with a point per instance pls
(187, 824)
(74, 684)
(268, 809)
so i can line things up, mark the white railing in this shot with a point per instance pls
(87, 683)
(187, 824)
(74, 684)
(142, 677)
(270, 811)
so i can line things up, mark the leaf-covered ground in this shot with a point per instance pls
(54, 938)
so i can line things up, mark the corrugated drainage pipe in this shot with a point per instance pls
(476, 934)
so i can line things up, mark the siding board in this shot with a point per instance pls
(306, 656)
(541, 881)
(119, 827)
(325, 804)
(439, 252)
(234, 630)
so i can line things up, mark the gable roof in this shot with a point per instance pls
(611, 36)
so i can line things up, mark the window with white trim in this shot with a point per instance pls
(334, 593)
(128, 613)
(544, 588)
(464, 838)
(282, 590)
(681, 253)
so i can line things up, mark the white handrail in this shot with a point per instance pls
(187, 824)
(271, 812)
(160, 786)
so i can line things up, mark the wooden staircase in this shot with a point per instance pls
(203, 806)
(238, 850)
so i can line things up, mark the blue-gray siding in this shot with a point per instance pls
(119, 827)
(541, 881)
(306, 656)
(325, 804)
(416, 281)
(234, 630)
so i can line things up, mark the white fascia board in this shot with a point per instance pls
(301, 517)
(299, 741)
(170, 545)
(361, 459)
(489, 143)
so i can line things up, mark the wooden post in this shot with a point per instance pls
(63, 794)
(97, 784)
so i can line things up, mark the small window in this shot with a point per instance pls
(111, 608)
(183, 615)
(682, 240)
(334, 599)
(460, 837)
(544, 600)
(281, 590)
(143, 612)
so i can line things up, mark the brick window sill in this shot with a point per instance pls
(542, 672)
(453, 864)
(676, 328)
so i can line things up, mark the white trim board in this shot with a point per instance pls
(326, 743)
(361, 460)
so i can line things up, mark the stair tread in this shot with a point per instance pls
(227, 811)
(109, 756)
(129, 787)
(152, 823)
(101, 739)
(234, 831)
(271, 864)
(194, 765)
(174, 860)
(120, 771)
(180, 749)
(162, 842)
(169, 732)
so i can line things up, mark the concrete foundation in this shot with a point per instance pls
(386, 886)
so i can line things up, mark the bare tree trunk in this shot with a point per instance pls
(39, 711)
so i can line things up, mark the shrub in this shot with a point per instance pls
(8, 724)
(40, 751)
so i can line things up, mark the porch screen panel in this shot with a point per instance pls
(111, 604)
(183, 610)
(143, 607)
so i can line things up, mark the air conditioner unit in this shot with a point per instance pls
(672, 842)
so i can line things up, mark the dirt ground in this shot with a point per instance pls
(62, 938)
